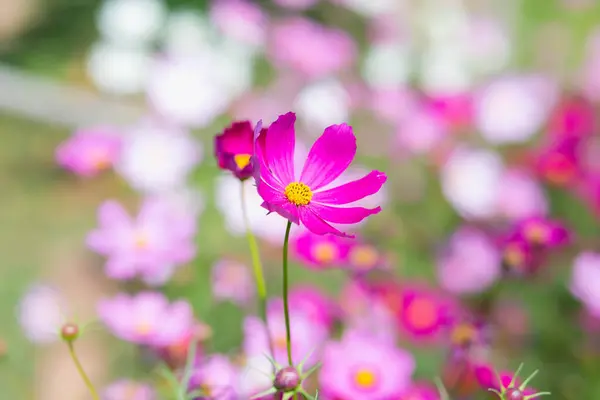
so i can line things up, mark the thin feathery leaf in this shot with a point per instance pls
(442, 389)
(264, 393)
(536, 395)
(513, 380)
(526, 381)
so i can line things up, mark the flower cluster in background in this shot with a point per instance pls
(438, 202)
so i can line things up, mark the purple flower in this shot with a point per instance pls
(128, 390)
(147, 318)
(360, 368)
(543, 232)
(151, 245)
(217, 378)
(585, 281)
(89, 151)
(471, 263)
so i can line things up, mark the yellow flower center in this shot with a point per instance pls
(324, 252)
(463, 334)
(422, 313)
(280, 343)
(536, 233)
(143, 328)
(100, 159)
(141, 240)
(206, 390)
(242, 160)
(363, 257)
(513, 256)
(298, 193)
(365, 378)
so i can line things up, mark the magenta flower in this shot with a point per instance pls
(363, 257)
(311, 49)
(488, 379)
(519, 195)
(318, 251)
(234, 149)
(542, 232)
(585, 280)
(151, 245)
(241, 20)
(147, 318)
(296, 4)
(559, 163)
(314, 304)
(470, 264)
(518, 255)
(217, 378)
(232, 281)
(360, 368)
(574, 117)
(89, 151)
(306, 199)
(421, 391)
(127, 389)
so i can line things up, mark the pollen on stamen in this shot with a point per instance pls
(298, 193)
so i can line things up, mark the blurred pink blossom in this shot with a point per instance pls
(591, 68)
(585, 280)
(520, 195)
(471, 263)
(318, 251)
(147, 318)
(360, 368)
(150, 245)
(127, 389)
(311, 49)
(296, 4)
(232, 281)
(90, 151)
(559, 162)
(217, 377)
(393, 105)
(574, 116)
(542, 232)
(421, 131)
(41, 313)
(421, 391)
(314, 304)
(242, 20)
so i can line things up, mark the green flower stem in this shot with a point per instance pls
(84, 376)
(286, 307)
(259, 279)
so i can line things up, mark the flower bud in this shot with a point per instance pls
(69, 332)
(287, 379)
(514, 394)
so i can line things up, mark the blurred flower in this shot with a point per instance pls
(187, 32)
(559, 161)
(454, 109)
(296, 4)
(158, 158)
(512, 109)
(186, 200)
(311, 49)
(387, 65)
(487, 45)
(470, 264)
(585, 280)
(308, 335)
(314, 304)
(217, 378)
(232, 281)
(542, 232)
(193, 89)
(470, 179)
(421, 132)
(241, 20)
(234, 149)
(147, 318)
(590, 75)
(229, 203)
(360, 368)
(301, 201)
(131, 23)
(318, 251)
(256, 375)
(573, 117)
(118, 70)
(466, 333)
(124, 389)
(421, 391)
(518, 256)
(363, 257)
(488, 379)
(177, 353)
(392, 105)
(520, 195)
(321, 104)
(41, 313)
(151, 245)
(89, 151)
(370, 8)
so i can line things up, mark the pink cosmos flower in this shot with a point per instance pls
(585, 280)
(488, 379)
(471, 263)
(421, 132)
(314, 304)
(89, 151)
(574, 117)
(360, 368)
(311, 49)
(519, 195)
(217, 377)
(150, 245)
(455, 110)
(306, 199)
(318, 251)
(543, 232)
(242, 20)
(308, 335)
(363, 257)
(296, 4)
(518, 255)
(176, 354)
(128, 390)
(421, 391)
(232, 281)
(147, 318)
(559, 162)
(41, 313)
(234, 149)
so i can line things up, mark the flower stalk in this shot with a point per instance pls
(84, 376)
(286, 307)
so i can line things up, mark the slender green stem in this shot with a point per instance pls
(286, 307)
(259, 279)
(84, 376)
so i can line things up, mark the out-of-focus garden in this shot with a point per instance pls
(123, 218)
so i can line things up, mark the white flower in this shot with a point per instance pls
(371, 8)
(322, 104)
(118, 70)
(444, 70)
(387, 65)
(187, 32)
(158, 159)
(185, 199)
(488, 47)
(41, 314)
(470, 180)
(131, 22)
(513, 109)
(256, 376)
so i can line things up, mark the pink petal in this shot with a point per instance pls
(275, 201)
(343, 215)
(111, 213)
(278, 151)
(352, 191)
(317, 225)
(331, 155)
